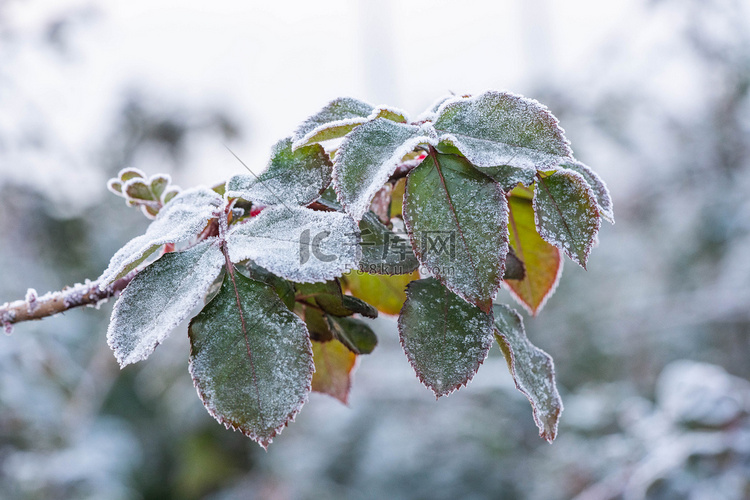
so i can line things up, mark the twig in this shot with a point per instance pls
(34, 307)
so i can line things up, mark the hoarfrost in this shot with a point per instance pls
(599, 187)
(369, 155)
(252, 366)
(297, 177)
(532, 369)
(339, 113)
(499, 128)
(297, 243)
(180, 219)
(566, 214)
(159, 298)
(444, 338)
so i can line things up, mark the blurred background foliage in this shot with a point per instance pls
(652, 344)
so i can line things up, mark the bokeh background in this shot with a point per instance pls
(652, 344)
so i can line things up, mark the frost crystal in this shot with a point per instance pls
(498, 128)
(159, 298)
(180, 219)
(297, 243)
(369, 155)
(532, 369)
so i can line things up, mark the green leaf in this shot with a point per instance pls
(251, 359)
(597, 184)
(393, 114)
(179, 220)
(499, 128)
(158, 184)
(567, 214)
(283, 288)
(532, 369)
(326, 295)
(296, 178)
(336, 119)
(457, 220)
(359, 306)
(354, 334)
(334, 364)
(383, 251)
(444, 337)
(137, 189)
(298, 244)
(130, 173)
(367, 158)
(317, 323)
(386, 293)
(542, 261)
(159, 298)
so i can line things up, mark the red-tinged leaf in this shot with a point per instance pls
(532, 369)
(444, 337)
(567, 213)
(334, 364)
(543, 263)
(386, 293)
(251, 359)
(457, 220)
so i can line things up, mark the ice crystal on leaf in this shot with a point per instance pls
(499, 128)
(367, 158)
(179, 220)
(298, 243)
(567, 214)
(444, 337)
(159, 298)
(251, 359)
(295, 178)
(532, 369)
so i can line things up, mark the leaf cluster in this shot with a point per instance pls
(423, 218)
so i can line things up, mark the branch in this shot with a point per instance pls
(34, 307)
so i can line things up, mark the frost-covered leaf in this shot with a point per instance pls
(158, 184)
(115, 186)
(386, 293)
(597, 184)
(336, 119)
(130, 173)
(499, 128)
(169, 194)
(367, 158)
(383, 251)
(138, 189)
(389, 113)
(334, 364)
(295, 178)
(354, 334)
(532, 369)
(283, 288)
(251, 359)
(444, 337)
(542, 261)
(567, 214)
(431, 112)
(457, 221)
(159, 298)
(179, 220)
(298, 243)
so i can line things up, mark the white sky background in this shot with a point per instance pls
(273, 63)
